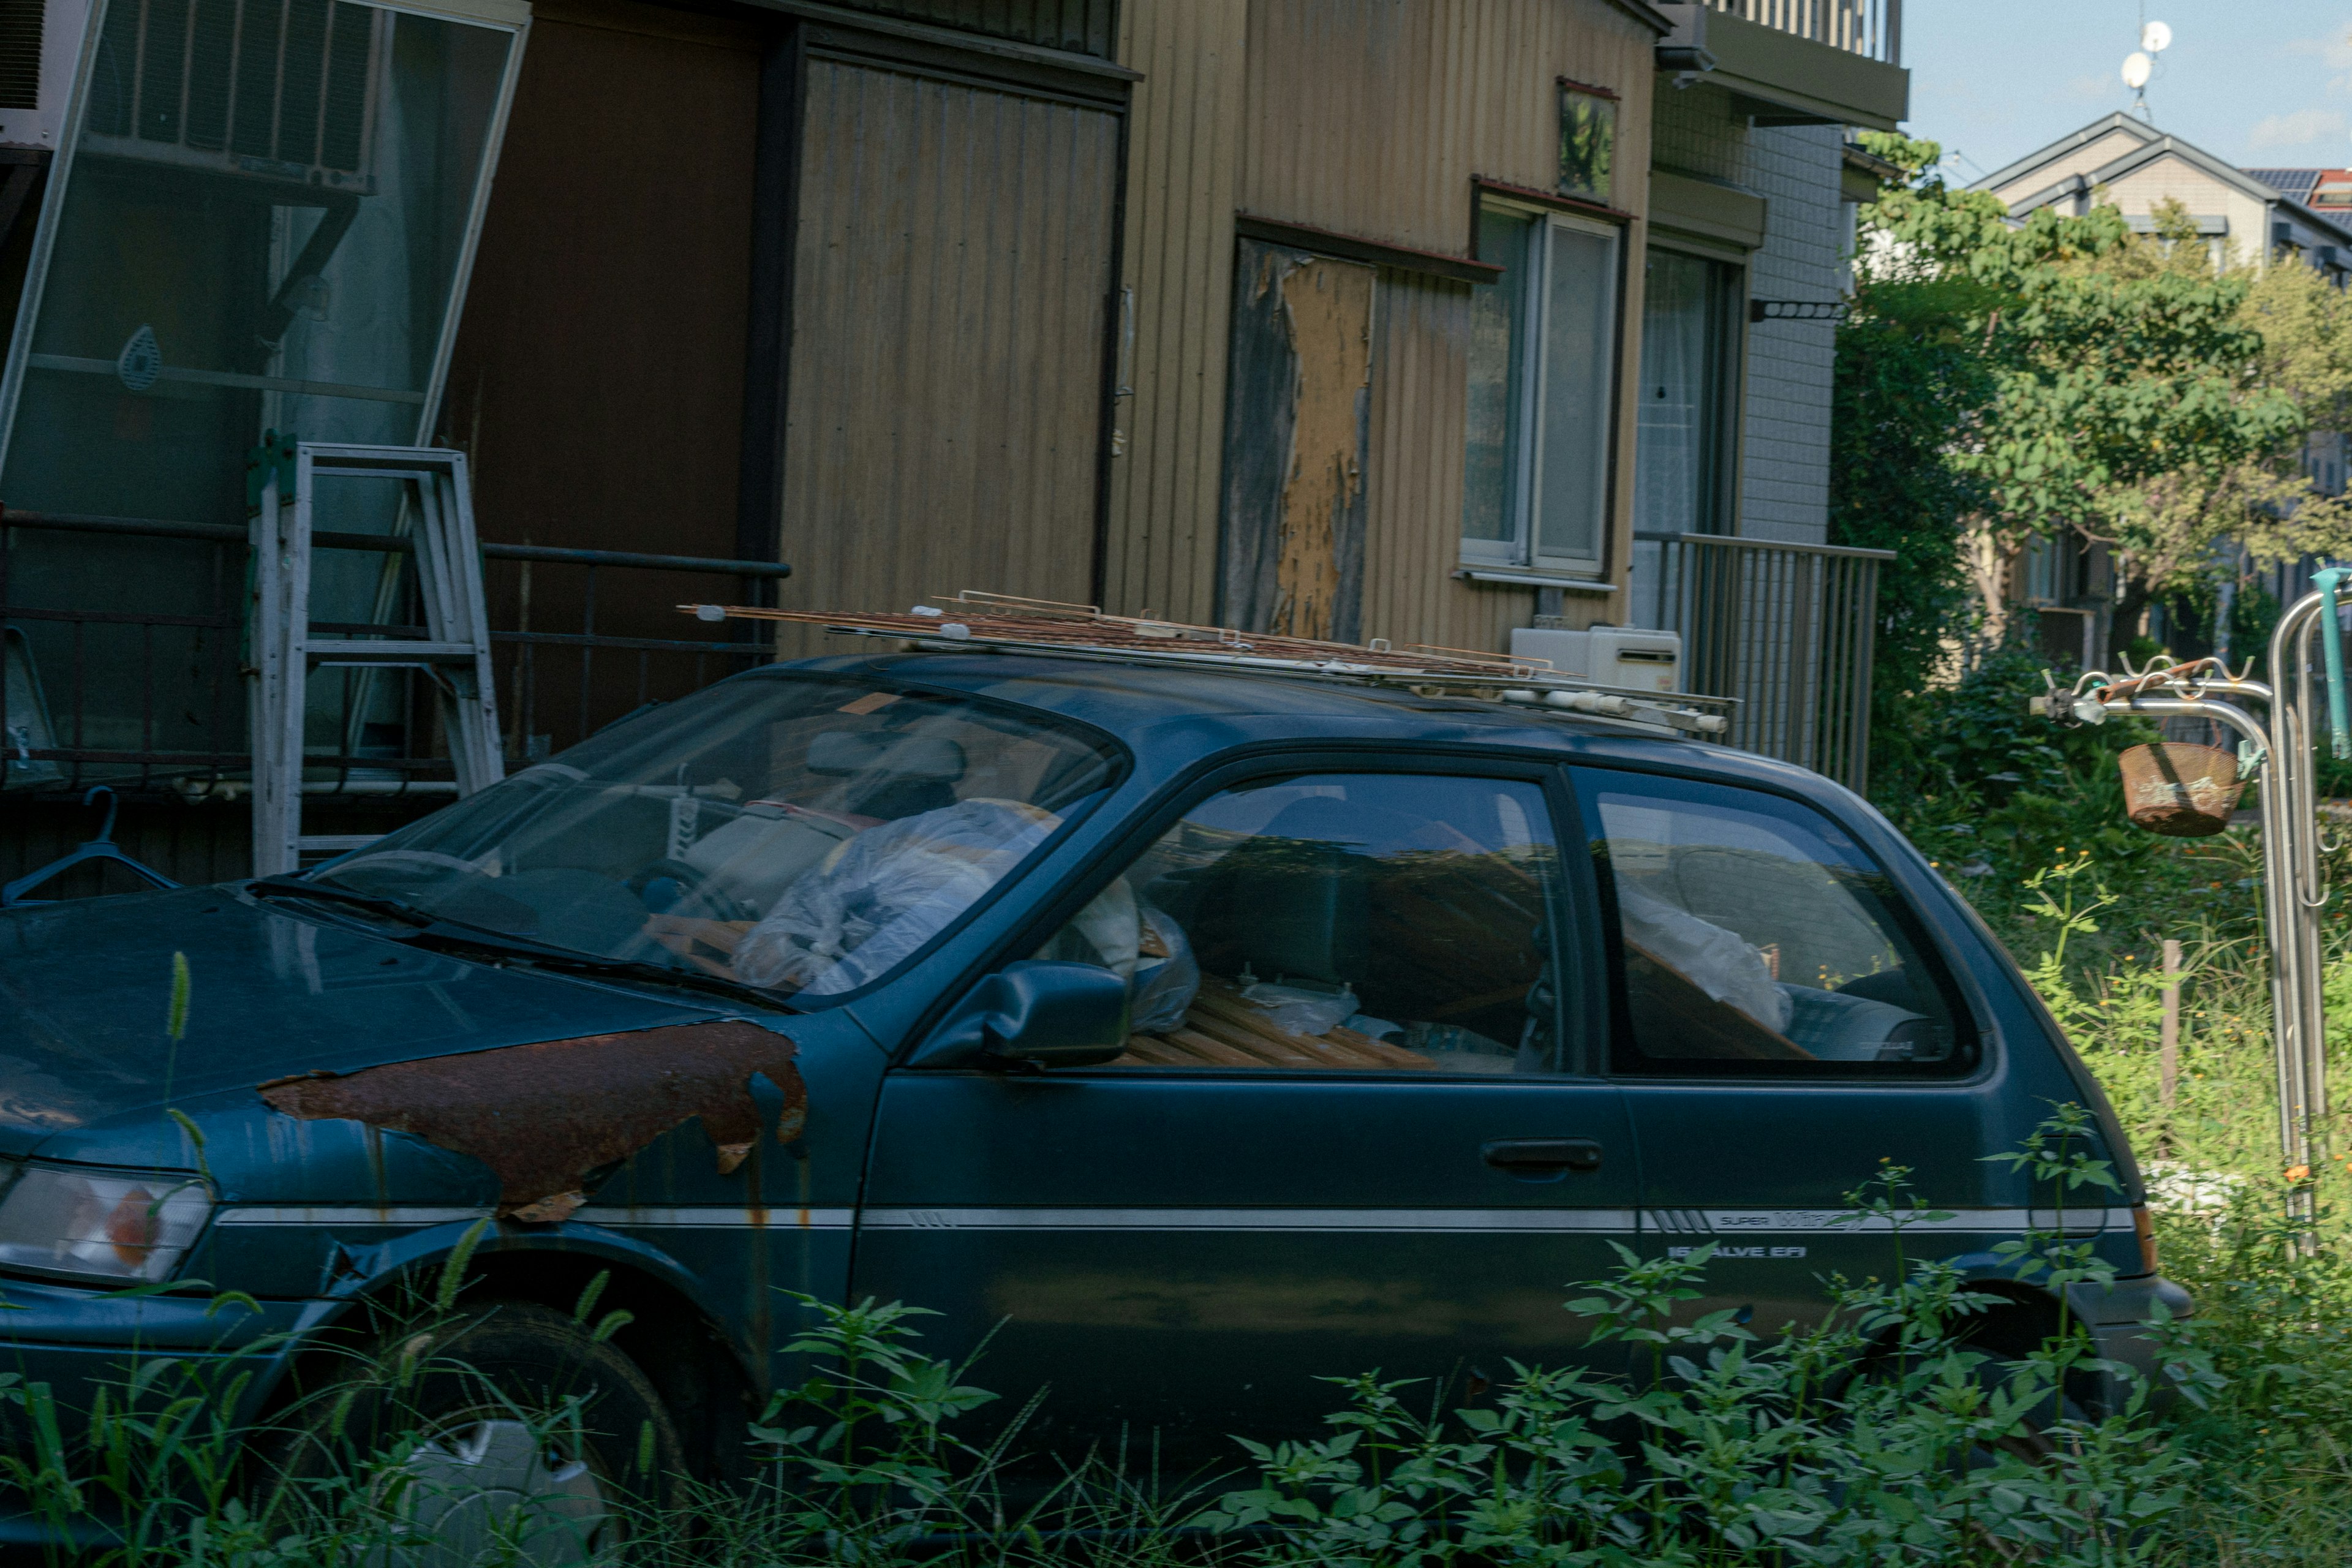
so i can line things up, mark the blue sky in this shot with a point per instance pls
(2257, 82)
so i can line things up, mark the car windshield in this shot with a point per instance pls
(802, 834)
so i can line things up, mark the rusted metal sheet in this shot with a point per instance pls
(952, 275)
(544, 1116)
(1296, 431)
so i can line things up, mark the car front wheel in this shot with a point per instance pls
(508, 1433)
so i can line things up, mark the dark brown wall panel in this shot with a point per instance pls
(598, 376)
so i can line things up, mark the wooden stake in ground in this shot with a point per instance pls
(2168, 1072)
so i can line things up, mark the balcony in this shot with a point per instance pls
(1795, 62)
(1871, 28)
(1787, 629)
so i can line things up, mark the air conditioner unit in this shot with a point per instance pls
(41, 50)
(282, 92)
(1633, 659)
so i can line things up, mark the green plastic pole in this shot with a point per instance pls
(2339, 707)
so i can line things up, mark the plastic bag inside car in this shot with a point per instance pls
(1711, 958)
(886, 893)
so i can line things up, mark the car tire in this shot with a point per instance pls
(468, 1402)
(2041, 1440)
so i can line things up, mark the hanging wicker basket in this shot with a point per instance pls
(2180, 790)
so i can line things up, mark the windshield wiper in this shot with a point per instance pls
(441, 933)
(328, 893)
(651, 974)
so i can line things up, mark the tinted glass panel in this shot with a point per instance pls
(804, 836)
(1370, 921)
(1579, 350)
(1752, 934)
(1489, 520)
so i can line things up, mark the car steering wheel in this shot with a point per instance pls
(691, 887)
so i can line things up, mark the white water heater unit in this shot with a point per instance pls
(1633, 659)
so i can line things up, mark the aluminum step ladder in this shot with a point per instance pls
(454, 652)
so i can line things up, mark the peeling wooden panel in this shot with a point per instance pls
(1184, 152)
(1296, 430)
(953, 273)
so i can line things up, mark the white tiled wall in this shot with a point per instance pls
(1784, 479)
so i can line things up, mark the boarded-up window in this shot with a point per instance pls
(1297, 419)
(953, 278)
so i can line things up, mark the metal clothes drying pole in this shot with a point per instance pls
(454, 652)
(2292, 890)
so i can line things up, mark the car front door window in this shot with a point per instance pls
(1359, 921)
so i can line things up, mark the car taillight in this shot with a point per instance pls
(2144, 1227)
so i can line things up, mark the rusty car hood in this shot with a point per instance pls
(86, 990)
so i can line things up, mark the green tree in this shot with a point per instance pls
(2068, 379)
(1912, 379)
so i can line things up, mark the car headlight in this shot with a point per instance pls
(116, 1225)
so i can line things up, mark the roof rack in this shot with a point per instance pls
(975, 622)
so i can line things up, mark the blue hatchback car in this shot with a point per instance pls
(1198, 1033)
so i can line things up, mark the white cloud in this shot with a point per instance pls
(2298, 129)
(2336, 52)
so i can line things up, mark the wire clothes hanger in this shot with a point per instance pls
(103, 848)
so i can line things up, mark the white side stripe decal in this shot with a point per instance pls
(257, 1214)
(1613, 1221)
(1539, 1221)
(626, 1219)
(617, 1218)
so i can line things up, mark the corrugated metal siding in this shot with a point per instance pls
(1421, 378)
(953, 265)
(1370, 118)
(1184, 154)
(1082, 26)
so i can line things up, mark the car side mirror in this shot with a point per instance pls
(1032, 1015)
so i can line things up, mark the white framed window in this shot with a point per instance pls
(1543, 383)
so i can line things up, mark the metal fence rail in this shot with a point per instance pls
(1786, 628)
(1873, 28)
(141, 685)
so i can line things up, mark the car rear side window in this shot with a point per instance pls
(1752, 935)
(1359, 921)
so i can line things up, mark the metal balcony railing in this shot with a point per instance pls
(1786, 628)
(122, 658)
(1873, 28)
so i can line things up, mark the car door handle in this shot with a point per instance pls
(1542, 1154)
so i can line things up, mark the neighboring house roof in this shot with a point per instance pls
(2327, 191)
(2148, 146)
(2295, 185)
